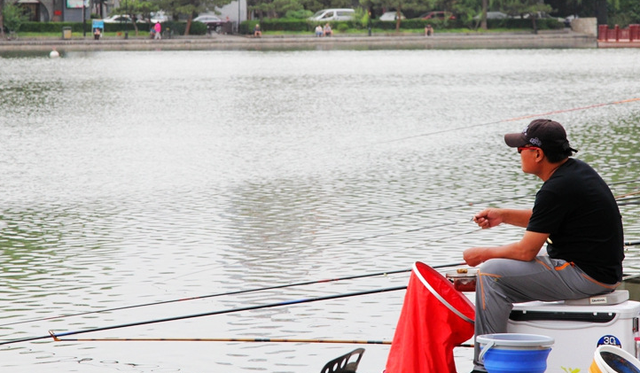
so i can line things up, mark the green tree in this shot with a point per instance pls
(13, 16)
(399, 6)
(190, 8)
(145, 8)
(134, 7)
(276, 8)
(466, 10)
(532, 9)
(626, 14)
(2, 19)
(604, 7)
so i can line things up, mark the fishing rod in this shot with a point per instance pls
(260, 340)
(627, 181)
(628, 197)
(212, 313)
(624, 197)
(629, 203)
(227, 294)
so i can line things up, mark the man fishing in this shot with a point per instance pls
(574, 213)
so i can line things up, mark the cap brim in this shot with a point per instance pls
(515, 140)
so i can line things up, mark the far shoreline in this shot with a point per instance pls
(507, 40)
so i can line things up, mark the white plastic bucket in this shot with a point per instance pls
(513, 352)
(612, 359)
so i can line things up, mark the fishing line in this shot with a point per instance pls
(422, 211)
(512, 120)
(212, 313)
(351, 240)
(429, 243)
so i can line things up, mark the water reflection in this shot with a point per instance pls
(137, 177)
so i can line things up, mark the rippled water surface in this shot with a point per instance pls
(131, 178)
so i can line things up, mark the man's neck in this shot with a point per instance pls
(549, 168)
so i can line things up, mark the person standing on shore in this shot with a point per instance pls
(158, 31)
(574, 213)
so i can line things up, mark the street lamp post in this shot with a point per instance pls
(84, 18)
(239, 12)
(126, 30)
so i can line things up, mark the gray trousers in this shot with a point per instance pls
(502, 282)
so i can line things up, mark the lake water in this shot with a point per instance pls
(140, 177)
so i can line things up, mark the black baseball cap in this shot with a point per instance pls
(546, 134)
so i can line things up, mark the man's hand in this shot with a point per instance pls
(488, 218)
(473, 256)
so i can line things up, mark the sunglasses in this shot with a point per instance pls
(528, 147)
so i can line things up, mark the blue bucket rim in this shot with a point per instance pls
(515, 340)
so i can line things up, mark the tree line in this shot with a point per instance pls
(621, 12)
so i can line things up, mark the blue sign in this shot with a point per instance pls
(609, 340)
(97, 23)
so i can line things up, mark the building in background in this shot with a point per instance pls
(72, 10)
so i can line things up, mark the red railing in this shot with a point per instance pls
(616, 34)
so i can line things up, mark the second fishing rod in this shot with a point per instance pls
(245, 291)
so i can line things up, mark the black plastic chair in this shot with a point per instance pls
(347, 363)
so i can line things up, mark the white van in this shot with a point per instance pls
(333, 15)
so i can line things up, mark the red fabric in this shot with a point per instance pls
(427, 330)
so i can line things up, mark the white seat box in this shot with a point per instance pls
(577, 329)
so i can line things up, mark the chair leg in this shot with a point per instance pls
(347, 363)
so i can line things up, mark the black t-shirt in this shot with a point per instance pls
(576, 207)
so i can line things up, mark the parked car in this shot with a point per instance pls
(333, 15)
(391, 16)
(118, 18)
(213, 22)
(538, 15)
(438, 14)
(494, 15)
(159, 16)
